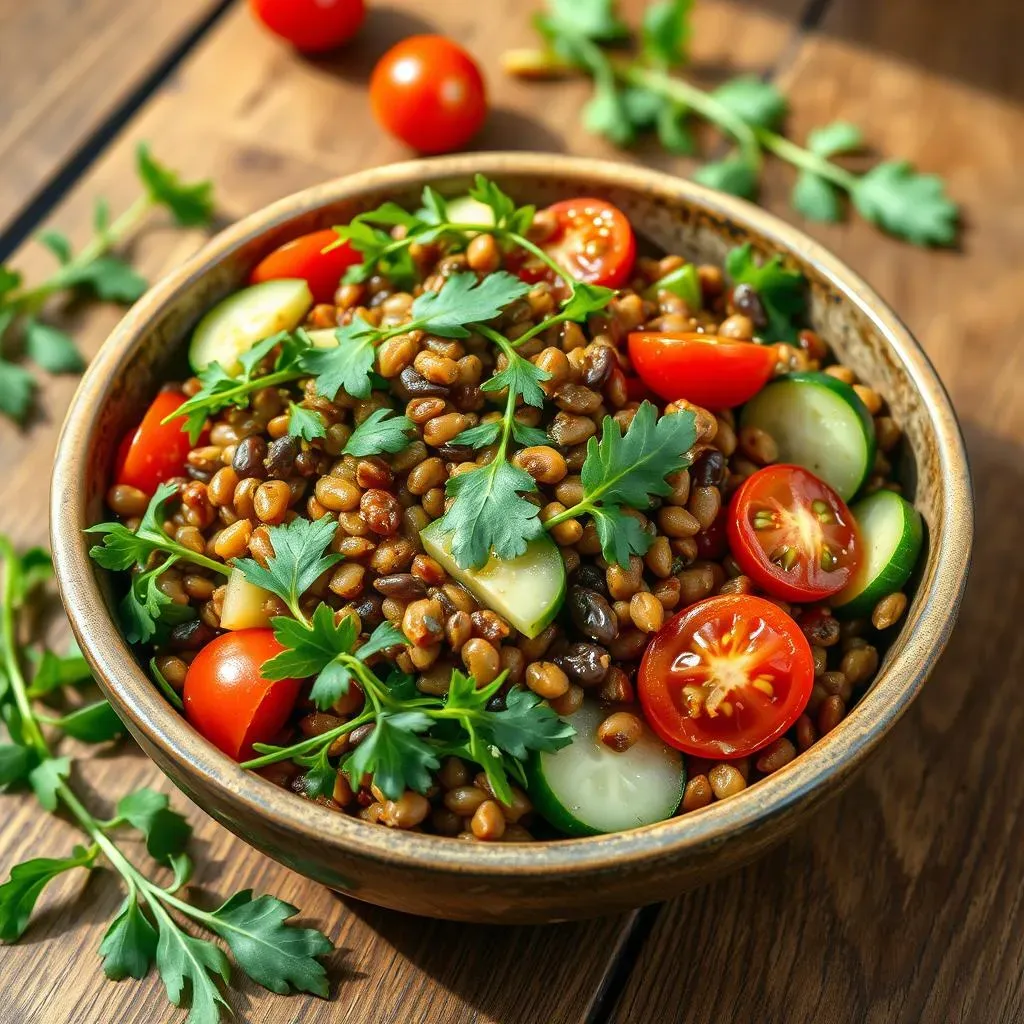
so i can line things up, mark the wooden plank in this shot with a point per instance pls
(263, 123)
(902, 902)
(65, 67)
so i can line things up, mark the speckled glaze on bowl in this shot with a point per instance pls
(535, 882)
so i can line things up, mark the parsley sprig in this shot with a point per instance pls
(93, 271)
(641, 94)
(150, 927)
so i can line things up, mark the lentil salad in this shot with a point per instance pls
(536, 594)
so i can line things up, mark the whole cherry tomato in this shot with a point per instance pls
(712, 372)
(155, 451)
(792, 534)
(428, 92)
(593, 241)
(726, 677)
(311, 25)
(304, 257)
(228, 699)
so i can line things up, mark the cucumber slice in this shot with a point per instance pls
(527, 591)
(819, 423)
(684, 282)
(467, 210)
(586, 789)
(323, 337)
(233, 326)
(892, 532)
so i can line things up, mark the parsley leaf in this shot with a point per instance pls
(311, 648)
(298, 559)
(53, 671)
(666, 32)
(585, 299)
(907, 204)
(837, 137)
(166, 832)
(18, 895)
(146, 607)
(46, 778)
(191, 205)
(483, 434)
(756, 101)
(381, 432)
(16, 389)
(187, 963)
(734, 175)
(94, 723)
(593, 19)
(305, 423)
(278, 956)
(620, 535)
(526, 724)
(16, 762)
(108, 278)
(816, 198)
(466, 300)
(507, 215)
(51, 348)
(521, 377)
(782, 292)
(319, 780)
(121, 549)
(129, 945)
(395, 754)
(347, 366)
(58, 243)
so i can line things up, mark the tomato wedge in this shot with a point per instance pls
(712, 372)
(792, 534)
(155, 451)
(227, 698)
(593, 241)
(726, 676)
(304, 257)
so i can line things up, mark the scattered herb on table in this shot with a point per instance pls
(93, 271)
(149, 926)
(640, 93)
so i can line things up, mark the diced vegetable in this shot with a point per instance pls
(892, 533)
(820, 423)
(586, 788)
(244, 604)
(467, 210)
(682, 281)
(527, 591)
(233, 326)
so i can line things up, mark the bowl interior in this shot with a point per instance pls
(670, 215)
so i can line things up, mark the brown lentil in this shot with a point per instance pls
(620, 730)
(726, 780)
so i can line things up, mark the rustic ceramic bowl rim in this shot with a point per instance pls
(148, 714)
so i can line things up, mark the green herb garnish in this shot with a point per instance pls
(783, 293)
(382, 432)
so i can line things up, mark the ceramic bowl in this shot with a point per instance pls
(536, 882)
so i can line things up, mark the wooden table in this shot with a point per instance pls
(900, 902)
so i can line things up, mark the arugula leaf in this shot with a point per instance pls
(16, 762)
(191, 205)
(346, 367)
(18, 895)
(381, 432)
(305, 423)
(816, 198)
(837, 137)
(756, 101)
(907, 204)
(782, 292)
(734, 175)
(466, 300)
(16, 389)
(489, 515)
(187, 963)
(665, 34)
(52, 349)
(94, 723)
(108, 278)
(395, 755)
(167, 832)
(129, 944)
(298, 559)
(279, 956)
(46, 778)
(521, 377)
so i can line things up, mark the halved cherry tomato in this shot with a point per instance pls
(594, 241)
(713, 372)
(792, 534)
(726, 676)
(311, 25)
(305, 257)
(227, 698)
(155, 451)
(429, 93)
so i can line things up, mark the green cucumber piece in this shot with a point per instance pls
(684, 282)
(467, 210)
(526, 591)
(820, 423)
(892, 532)
(233, 326)
(587, 789)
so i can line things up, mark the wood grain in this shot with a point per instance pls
(263, 122)
(65, 66)
(903, 901)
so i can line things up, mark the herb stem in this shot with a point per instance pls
(313, 743)
(805, 159)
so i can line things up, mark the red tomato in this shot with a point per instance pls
(594, 242)
(712, 543)
(716, 373)
(726, 676)
(792, 534)
(228, 700)
(155, 451)
(428, 92)
(305, 257)
(311, 25)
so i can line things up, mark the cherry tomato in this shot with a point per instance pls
(228, 700)
(726, 676)
(713, 372)
(593, 241)
(311, 25)
(305, 257)
(428, 92)
(792, 534)
(155, 451)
